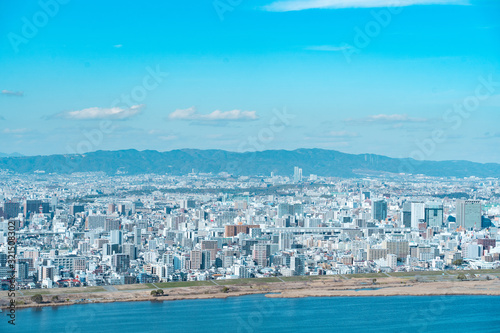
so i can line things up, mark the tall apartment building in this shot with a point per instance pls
(285, 241)
(46, 272)
(406, 215)
(417, 214)
(116, 237)
(210, 245)
(469, 213)
(401, 248)
(120, 262)
(374, 254)
(379, 210)
(290, 209)
(297, 175)
(95, 222)
(71, 262)
(137, 237)
(260, 253)
(234, 230)
(130, 250)
(195, 259)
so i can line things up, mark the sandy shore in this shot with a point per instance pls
(394, 288)
(320, 287)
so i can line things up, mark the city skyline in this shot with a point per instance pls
(357, 77)
(247, 166)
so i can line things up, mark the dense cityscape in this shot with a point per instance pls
(93, 229)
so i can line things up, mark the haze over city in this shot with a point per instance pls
(357, 76)
(250, 166)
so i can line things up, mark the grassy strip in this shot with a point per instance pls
(256, 281)
(181, 284)
(59, 291)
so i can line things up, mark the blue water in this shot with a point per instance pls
(257, 313)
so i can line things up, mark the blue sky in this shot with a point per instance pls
(359, 76)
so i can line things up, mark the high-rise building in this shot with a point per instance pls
(469, 213)
(233, 230)
(129, 249)
(206, 259)
(375, 253)
(95, 222)
(297, 175)
(434, 214)
(75, 209)
(110, 249)
(189, 203)
(406, 218)
(401, 248)
(392, 261)
(290, 209)
(3, 259)
(111, 224)
(195, 259)
(122, 209)
(111, 208)
(70, 262)
(285, 241)
(137, 237)
(417, 214)
(120, 262)
(46, 272)
(260, 253)
(379, 210)
(35, 207)
(297, 265)
(487, 243)
(283, 209)
(116, 237)
(10, 209)
(22, 270)
(210, 245)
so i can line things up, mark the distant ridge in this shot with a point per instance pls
(10, 155)
(281, 162)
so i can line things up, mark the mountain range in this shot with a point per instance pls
(282, 162)
(10, 155)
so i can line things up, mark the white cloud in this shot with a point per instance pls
(295, 5)
(329, 48)
(12, 93)
(16, 130)
(168, 137)
(343, 134)
(118, 46)
(192, 114)
(387, 118)
(103, 113)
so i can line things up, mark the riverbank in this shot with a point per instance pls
(298, 287)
